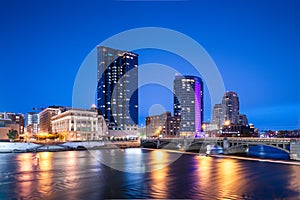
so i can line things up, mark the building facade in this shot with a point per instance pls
(117, 90)
(45, 118)
(217, 116)
(163, 125)
(11, 121)
(15, 118)
(32, 118)
(230, 108)
(79, 125)
(188, 104)
(32, 122)
(243, 120)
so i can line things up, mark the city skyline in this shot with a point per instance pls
(255, 52)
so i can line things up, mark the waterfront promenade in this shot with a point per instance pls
(10, 147)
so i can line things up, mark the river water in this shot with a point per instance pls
(141, 173)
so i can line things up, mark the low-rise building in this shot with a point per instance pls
(163, 125)
(232, 130)
(5, 126)
(9, 121)
(79, 125)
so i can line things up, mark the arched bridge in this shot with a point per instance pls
(229, 145)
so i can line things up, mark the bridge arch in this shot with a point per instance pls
(149, 143)
(258, 144)
(272, 146)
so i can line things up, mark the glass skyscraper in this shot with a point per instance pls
(117, 91)
(188, 104)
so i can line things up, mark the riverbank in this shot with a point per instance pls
(22, 147)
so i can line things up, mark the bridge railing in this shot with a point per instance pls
(228, 138)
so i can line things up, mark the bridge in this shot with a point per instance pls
(229, 145)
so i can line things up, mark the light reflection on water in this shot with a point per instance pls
(78, 175)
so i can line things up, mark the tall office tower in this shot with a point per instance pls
(188, 104)
(117, 91)
(230, 108)
(217, 115)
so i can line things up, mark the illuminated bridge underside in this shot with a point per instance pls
(229, 145)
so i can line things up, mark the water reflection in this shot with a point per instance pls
(45, 175)
(159, 183)
(158, 159)
(26, 164)
(229, 178)
(294, 180)
(78, 175)
(204, 171)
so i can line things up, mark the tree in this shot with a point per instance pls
(12, 134)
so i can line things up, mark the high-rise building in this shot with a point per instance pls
(217, 116)
(45, 118)
(188, 104)
(117, 91)
(164, 125)
(230, 108)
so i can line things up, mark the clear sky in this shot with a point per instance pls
(254, 43)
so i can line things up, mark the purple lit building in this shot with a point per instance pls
(188, 104)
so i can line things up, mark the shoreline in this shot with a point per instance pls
(267, 160)
(17, 147)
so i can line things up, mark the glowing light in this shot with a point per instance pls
(227, 123)
(197, 108)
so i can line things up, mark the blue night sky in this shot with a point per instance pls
(255, 45)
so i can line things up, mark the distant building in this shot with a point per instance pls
(32, 129)
(230, 108)
(6, 125)
(237, 131)
(79, 124)
(243, 120)
(45, 118)
(217, 116)
(117, 91)
(227, 113)
(13, 118)
(210, 129)
(32, 122)
(32, 118)
(163, 125)
(188, 104)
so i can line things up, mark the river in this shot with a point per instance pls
(140, 173)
